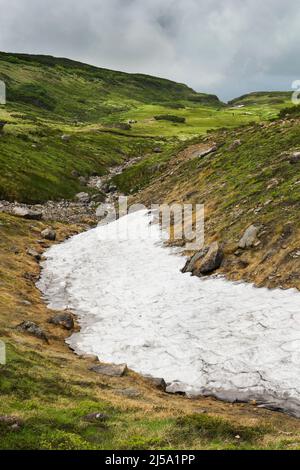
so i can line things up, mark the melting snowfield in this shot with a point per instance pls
(204, 336)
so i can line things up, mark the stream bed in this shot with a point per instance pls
(204, 336)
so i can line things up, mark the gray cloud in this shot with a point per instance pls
(227, 47)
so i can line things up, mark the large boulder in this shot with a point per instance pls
(111, 370)
(26, 213)
(212, 260)
(205, 261)
(191, 262)
(249, 238)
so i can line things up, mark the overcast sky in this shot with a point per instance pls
(227, 47)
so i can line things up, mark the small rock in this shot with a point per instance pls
(34, 254)
(83, 180)
(83, 198)
(111, 370)
(2, 125)
(15, 427)
(11, 421)
(33, 329)
(129, 392)
(66, 138)
(65, 320)
(26, 213)
(249, 238)
(75, 174)
(157, 150)
(94, 417)
(176, 388)
(295, 158)
(49, 234)
(157, 382)
(235, 144)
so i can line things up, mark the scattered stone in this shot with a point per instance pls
(83, 198)
(157, 382)
(157, 150)
(111, 370)
(33, 329)
(65, 320)
(96, 417)
(235, 144)
(66, 138)
(49, 234)
(249, 238)
(26, 213)
(34, 254)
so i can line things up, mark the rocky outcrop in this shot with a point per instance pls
(33, 329)
(249, 238)
(65, 320)
(111, 370)
(205, 261)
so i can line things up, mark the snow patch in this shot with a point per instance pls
(214, 337)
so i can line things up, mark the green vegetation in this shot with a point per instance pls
(49, 97)
(170, 117)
